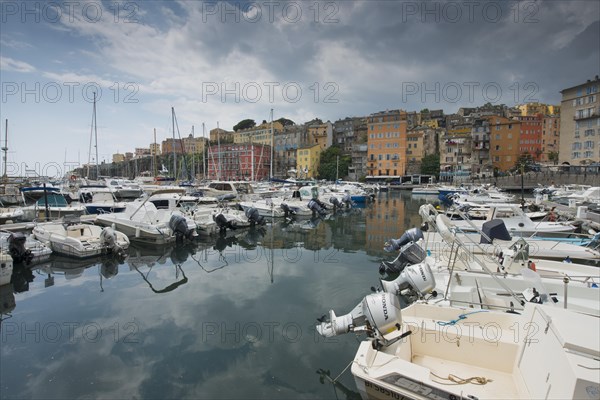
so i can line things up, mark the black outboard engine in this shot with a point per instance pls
(224, 224)
(410, 252)
(180, 229)
(17, 250)
(254, 217)
(317, 207)
(287, 210)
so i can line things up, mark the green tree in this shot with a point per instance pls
(525, 161)
(430, 165)
(285, 122)
(553, 157)
(244, 124)
(329, 167)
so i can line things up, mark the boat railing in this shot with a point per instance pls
(456, 244)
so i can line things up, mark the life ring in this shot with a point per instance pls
(73, 177)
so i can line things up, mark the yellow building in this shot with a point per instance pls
(194, 145)
(386, 141)
(532, 109)
(308, 159)
(431, 123)
(321, 134)
(155, 148)
(118, 157)
(260, 134)
(221, 135)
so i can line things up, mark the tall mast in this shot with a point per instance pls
(194, 156)
(219, 150)
(174, 155)
(272, 141)
(154, 154)
(252, 177)
(96, 139)
(5, 148)
(203, 154)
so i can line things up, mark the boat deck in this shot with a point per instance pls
(501, 385)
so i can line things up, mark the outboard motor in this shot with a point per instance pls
(223, 223)
(287, 210)
(378, 315)
(316, 207)
(411, 235)
(109, 239)
(254, 217)
(179, 226)
(347, 200)
(336, 203)
(17, 250)
(410, 252)
(417, 277)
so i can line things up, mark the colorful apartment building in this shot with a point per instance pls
(154, 148)
(455, 148)
(550, 138)
(580, 124)
(321, 134)
(386, 140)
(171, 145)
(249, 162)
(530, 141)
(194, 145)
(221, 135)
(260, 134)
(308, 159)
(533, 109)
(415, 150)
(504, 142)
(481, 165)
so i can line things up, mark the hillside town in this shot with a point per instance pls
(488, 140)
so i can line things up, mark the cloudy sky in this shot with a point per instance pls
(220, 62)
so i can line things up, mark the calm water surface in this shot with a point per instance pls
(229, 318)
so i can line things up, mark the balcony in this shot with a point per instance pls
(586, 115)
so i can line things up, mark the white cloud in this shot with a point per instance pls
(8, 64)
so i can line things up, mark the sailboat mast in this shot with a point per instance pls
(173, 147)
(203, 153)
(96, 139)
(5, 148)
(194, 156)
(272, 141)
(154, 155)
(219, 149)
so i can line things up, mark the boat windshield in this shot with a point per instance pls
(53, 201)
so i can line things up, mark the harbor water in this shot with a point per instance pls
(226, 318)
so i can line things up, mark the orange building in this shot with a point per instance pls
(386, 140)
(505, 136)
(531, 135)
(550, 137)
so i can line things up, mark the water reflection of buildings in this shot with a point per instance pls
(385, 220)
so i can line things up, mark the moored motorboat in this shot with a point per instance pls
(81, 240)
(427, 351)
(142, 222)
